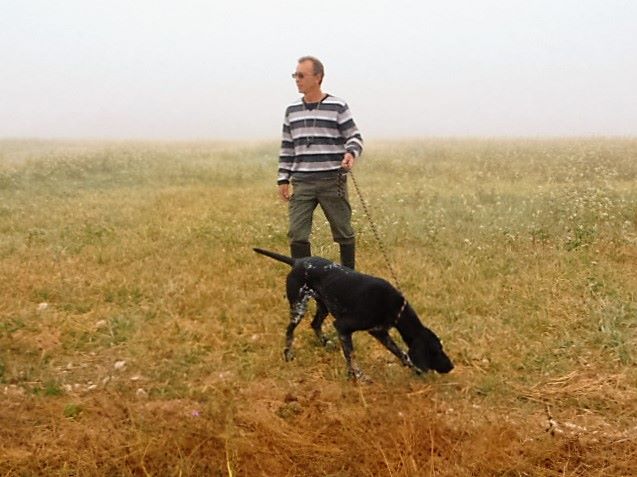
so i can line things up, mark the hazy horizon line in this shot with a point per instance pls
(263, 139)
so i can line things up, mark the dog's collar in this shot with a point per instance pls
(402, 308)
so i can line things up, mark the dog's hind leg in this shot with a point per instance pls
(317, 322)
(382, 335)
(297, 312)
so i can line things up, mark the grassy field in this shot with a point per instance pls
(140, 335)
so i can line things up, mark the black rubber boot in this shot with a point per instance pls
(300, 249)
(348, 255)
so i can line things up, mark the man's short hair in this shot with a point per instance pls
(317, 66)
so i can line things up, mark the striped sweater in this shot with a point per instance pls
(315, 138)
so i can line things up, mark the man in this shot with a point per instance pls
(320, 145)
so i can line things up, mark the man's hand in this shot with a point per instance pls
(284, 192)
(348, 161)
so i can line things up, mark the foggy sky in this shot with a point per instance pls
(221, 69)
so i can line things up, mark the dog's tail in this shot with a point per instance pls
(277, 256)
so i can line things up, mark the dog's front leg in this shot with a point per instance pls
(297, 312)
(353, 371)
(382, 335)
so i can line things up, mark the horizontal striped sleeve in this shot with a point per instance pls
(286, 156)
(349, 131)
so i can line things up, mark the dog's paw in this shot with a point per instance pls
(321, 339)
(358, 376)
(326, 342)
(330, 345)
(288, 354)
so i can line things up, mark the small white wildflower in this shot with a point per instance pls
(141, 393)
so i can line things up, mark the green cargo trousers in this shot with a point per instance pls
(331, 194)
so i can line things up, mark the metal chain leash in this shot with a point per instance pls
(376, 235)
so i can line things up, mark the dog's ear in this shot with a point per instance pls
(437, 358)
(418, 358)
(430, 355)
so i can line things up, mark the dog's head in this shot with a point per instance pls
(427, 353)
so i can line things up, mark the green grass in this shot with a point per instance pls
(521, 255)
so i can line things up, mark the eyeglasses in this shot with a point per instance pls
(299, 75)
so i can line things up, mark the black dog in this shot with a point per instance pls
(358, 302)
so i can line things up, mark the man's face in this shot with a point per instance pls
(305, 78)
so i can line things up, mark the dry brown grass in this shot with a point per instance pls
(312, 427)
(139, 335)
